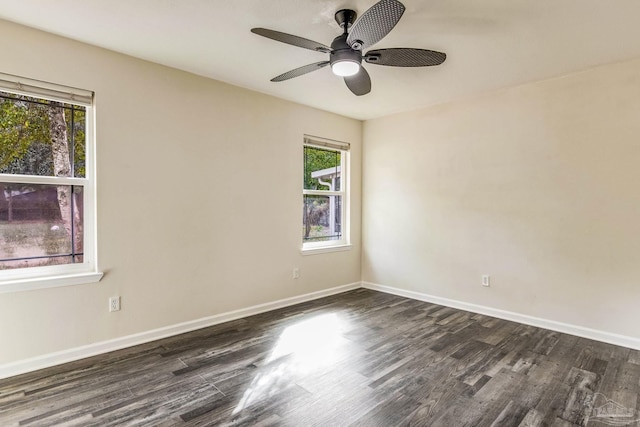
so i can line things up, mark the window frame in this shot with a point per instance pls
(344, 243)
(29, 278)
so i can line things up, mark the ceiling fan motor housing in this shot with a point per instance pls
(341, 51)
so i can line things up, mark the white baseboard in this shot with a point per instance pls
(53, 359)
(64, 356)
(594, 334)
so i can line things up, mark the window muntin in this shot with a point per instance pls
(46, 181)
(324, 194)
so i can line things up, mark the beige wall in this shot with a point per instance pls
(199, 199)
(537, 185)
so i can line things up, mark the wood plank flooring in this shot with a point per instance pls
(361, 358)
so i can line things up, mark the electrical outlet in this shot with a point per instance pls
(296, 273)
(114, 304)
(486, 280)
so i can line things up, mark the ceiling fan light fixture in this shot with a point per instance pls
(344, 61)
(345, 68)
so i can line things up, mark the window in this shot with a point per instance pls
(46, 185)
(325, 201)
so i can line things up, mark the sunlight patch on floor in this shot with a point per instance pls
(302, 348)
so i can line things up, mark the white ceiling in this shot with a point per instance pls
(490, 44)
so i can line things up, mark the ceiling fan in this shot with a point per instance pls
(345, 53)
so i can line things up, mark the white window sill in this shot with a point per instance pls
(324, 249)
(29, 284)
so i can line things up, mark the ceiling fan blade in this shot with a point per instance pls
(291, 39)
(405, 57)
(300, 71)
(374, 24)
(360, 83)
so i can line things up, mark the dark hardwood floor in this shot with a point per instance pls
(359, 358)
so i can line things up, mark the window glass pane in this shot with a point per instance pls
(36, 225)
(32, 130)
(322, 218)
(77, 130)
(321, 169)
